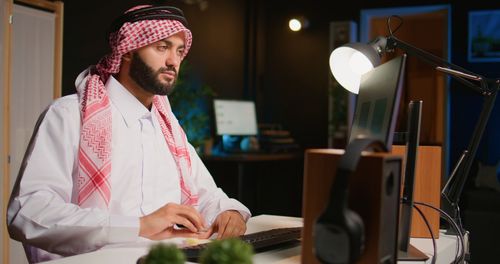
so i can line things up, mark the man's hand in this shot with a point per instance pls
(229, 224)
(160, 224)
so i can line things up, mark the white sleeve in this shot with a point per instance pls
(212, 200)
(42, 210)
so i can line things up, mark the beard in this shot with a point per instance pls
(148, 79)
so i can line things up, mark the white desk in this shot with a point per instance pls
(129, 253)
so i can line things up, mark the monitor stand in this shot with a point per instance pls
(413, 254)
(405, 250)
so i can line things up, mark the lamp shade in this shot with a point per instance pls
(349, 62)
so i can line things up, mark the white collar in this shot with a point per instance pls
(126, 103)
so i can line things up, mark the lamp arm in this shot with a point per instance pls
(455, 71)
(487, 87)
(452, 193)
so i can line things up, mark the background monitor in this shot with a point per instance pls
(235, 117)
(378, 102)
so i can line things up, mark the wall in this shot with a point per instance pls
(294, 83)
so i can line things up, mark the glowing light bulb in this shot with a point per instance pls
(295, 24)
(359, 63)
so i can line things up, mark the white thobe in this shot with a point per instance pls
(43, 211)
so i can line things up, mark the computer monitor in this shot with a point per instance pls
(375, 117)
(235, 125)
(377, 103)
(412, 140)
(235, 117)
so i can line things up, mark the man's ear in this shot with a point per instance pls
(127, 56)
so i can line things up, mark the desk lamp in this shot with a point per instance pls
(352, 60)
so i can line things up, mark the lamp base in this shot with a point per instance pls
(413, 254)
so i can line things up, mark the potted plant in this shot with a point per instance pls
(190, 101)
(227, 251)
(163, 254)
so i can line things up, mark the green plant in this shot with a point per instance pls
(227, 251)
(190, 100)
(164, 254)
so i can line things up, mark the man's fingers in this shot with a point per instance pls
(232, 228)
(193, 216)
(221, 227)
(235, 231)
(207, 234)
(235, 227)
(184, 233)
(161, 223)
(170, 232)
(185, 224)
(187, 212)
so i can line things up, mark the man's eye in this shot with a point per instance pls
(180, 52)
(163, 47)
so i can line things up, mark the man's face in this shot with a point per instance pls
(155, 67)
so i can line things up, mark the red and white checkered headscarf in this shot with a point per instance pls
(94, 155)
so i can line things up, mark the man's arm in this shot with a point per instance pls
(213, 201)
(41, 211)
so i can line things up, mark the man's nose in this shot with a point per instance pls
(173, 60)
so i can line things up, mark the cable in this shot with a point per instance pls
(389, 24)
(459, 224)
(458, 259)
(445, 196)
(461, 258)
(434, 256)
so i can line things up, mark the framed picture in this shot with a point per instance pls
(484, 36)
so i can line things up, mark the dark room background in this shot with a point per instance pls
(244, 50)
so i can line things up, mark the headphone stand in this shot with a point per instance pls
(374, 190)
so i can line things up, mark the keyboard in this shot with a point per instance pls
(261, 241)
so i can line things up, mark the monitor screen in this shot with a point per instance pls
(378, 102)
(235, 117)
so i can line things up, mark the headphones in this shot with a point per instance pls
(339, 231)
(148, 13)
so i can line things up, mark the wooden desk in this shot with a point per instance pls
(129, 253)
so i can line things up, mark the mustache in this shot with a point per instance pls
(167, 68)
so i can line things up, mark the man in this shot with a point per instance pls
(111, 164)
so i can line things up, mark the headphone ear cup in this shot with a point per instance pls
(356, 230)
(339, 232)
(345, 235)
(328, 236)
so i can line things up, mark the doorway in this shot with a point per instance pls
(427, 28)
(31, 67)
